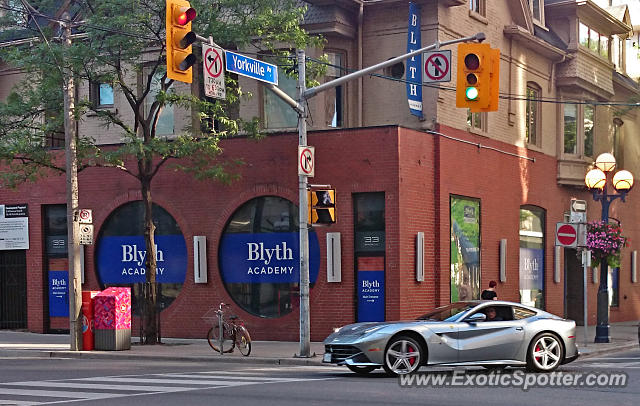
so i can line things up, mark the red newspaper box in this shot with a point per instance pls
(87, 319)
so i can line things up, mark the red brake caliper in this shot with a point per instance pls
(539, 357)
(412, 359)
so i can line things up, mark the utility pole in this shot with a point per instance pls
(73, 231)
(305, 330)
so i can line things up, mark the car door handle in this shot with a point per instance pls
(518, 328)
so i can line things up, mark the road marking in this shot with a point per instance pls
(240, 378)
(63, 390)
(228, 382)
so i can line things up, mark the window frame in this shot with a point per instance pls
(478, 7)
(580, 149)
(264, 91)
(533, 87)
(477, 122)
(338, 92)
(593, 35)
(94, 93)
(148, 101)
(540, 3)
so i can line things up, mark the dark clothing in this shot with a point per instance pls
(488, 295)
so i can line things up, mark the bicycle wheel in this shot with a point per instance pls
(243, 341)
(213, 337)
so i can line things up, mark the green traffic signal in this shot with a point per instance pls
(471, 93)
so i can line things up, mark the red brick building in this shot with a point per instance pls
(417, 173)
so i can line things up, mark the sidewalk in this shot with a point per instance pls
(23, 344)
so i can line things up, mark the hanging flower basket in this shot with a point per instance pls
(605, 241)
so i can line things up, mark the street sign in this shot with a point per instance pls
(213, 69)
(578, 206)
(86, 234)
(252, 68)
(566, 235)
(437, 66)
(306, 161)
(85, 216)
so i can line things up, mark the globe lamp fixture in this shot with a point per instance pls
(606, 162)
(595, 179)
(623, 181)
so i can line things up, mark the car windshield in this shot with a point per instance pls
(448, 312)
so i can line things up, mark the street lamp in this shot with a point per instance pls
(596, 181)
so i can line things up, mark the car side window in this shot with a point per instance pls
(497, 313)
(520, 313)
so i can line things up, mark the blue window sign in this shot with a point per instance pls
(122, 259)
(58, 294)
(266, 258)
(370, 296)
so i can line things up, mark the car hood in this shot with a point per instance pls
(361, 329)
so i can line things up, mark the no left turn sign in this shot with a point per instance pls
(213, 72)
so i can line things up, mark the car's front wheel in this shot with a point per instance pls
(545, 353)
(402, 356)
(361, 370)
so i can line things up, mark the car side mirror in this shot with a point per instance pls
(476, 317)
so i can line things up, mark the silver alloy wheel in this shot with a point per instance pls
(403, 356)
(546, 353)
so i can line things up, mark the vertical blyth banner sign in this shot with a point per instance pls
(414, 64)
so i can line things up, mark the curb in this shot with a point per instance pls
(619, 348)
(120, 355)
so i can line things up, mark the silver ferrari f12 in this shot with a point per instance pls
(493, 334)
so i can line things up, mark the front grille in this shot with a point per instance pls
(341, 352)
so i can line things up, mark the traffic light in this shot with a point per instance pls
(478, 81)
(322, 207)
(179, 15)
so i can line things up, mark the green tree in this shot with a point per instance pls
(121, 43)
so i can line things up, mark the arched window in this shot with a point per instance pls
(259, 256)
(121, 252)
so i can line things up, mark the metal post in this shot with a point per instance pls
(304, 232)
(73, 231)
(586, 262)
(602, 326)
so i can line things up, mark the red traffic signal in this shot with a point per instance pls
(179, 15)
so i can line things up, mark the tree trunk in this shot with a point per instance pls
(150, 308)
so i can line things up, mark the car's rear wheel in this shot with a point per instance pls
(403, 356)
(545, 353)
(361, 370)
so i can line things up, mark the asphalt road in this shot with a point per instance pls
(28, 381)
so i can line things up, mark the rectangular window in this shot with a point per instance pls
(335, 97)
(465, 248)
(532, 253)
(476, 120)
(277, 113)
(593, 40)
(570, 128)
(55, 230)
(165, 124)
(477, 6)
(614, 288)
(533, 97)
(102, 95)
(589, 115)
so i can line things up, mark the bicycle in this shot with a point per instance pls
(234, 333)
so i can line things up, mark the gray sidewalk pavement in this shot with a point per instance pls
(25, 344)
